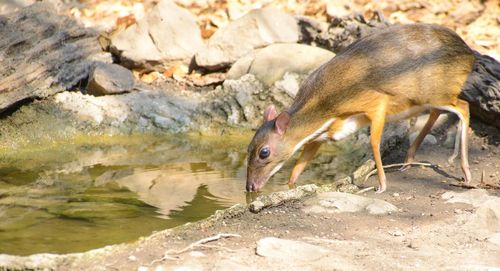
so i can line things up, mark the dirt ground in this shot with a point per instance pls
(426, 234)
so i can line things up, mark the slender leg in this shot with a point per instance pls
(307, 155)
(433, 116)
(377, 127)
(457, 142)
(463, 108)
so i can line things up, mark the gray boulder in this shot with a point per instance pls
(110, 79)
(270, 64)
(168, 33)
(257, 29)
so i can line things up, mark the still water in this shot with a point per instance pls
(92, 192)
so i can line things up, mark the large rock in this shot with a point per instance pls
(485, 221)
(269, 64)
(42, 53)
(482, 90)
(257, 29)
(474, 197)
(337, 202)
(168, 33)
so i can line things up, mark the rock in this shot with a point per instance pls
(396, 232)
(474, 197)
(110, 79)
(277, 198)
(344, 31)
(337, 202)
(360, 173)
(482, 90)
(276, 248)
(269, 64)
(290, 84)
(259, 28)
(428, 140)
(486, 219)
(168, 33)
(487, 216)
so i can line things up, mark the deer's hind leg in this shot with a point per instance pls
(433, 116)
(461, 109)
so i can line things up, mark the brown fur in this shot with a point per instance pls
(385, 73)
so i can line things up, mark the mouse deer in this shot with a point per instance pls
(390, 75)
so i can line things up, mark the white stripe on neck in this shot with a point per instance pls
(312, 136)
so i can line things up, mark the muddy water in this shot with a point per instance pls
(93, 192)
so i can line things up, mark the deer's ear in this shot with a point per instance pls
(282, 122)
(270, 113)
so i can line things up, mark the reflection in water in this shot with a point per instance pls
(172, 186)
(75, 197)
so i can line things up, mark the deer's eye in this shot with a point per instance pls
(264, 153)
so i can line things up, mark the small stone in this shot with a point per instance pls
(414, 244)
(256, 206)
(396, 233)
(132, 258)
(110, 79)
(395, 195)
(360, 173)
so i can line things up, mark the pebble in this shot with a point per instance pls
(396, 232)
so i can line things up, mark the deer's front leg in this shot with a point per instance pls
(307, 155)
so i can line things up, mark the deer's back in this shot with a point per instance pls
(420, 64)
